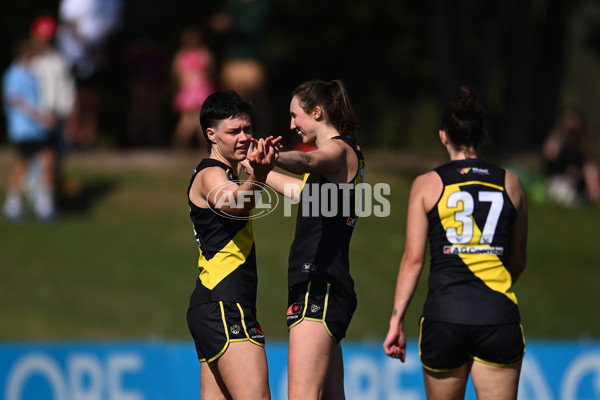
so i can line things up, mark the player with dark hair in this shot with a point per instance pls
(222, 310)
(321, 298)
(475, 216)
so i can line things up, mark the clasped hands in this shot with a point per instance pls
(262, 156)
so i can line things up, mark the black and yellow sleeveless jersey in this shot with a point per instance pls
(470, 231)
(227, 260)
(326, 216)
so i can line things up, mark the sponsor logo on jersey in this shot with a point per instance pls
(498, 250)
(481, 171)
(308, 267)
(475, 170)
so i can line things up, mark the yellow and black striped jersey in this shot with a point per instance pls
(326, 216)
(470, 231)
(227, 259)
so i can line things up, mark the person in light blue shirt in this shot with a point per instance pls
(28, 130)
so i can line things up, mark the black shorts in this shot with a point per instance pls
(321, 302)
(214, 325)
(445, 346)
(30, 148)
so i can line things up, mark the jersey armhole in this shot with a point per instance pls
(194, 180)
(506, 173)
(437, 201)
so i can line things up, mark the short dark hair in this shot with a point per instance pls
(219, 106)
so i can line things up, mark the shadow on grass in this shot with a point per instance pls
(80, 197)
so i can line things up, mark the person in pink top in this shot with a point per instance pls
(193, 69)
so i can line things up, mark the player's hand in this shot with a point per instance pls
(394, 344)
(263, 151)
(246, 166)
(262, 156)
(271, 150)
(275, 141)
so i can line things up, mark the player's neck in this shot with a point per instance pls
(219, 157)
(461, 154)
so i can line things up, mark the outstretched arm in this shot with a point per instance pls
(212, 188)
(286, 185)
(330, 160)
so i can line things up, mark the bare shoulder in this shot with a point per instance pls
(429, 182)
(427, 188)
(335, 147)
(427, 177)
(209, 175)
(204, 181)
(330, 160)
(514, 189)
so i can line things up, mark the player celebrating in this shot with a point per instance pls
(321, 291)
(222, 310)
(475, 217)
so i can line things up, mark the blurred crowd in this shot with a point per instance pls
(55, 88)
(63, 69)
(570, 167)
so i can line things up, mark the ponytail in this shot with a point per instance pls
(464, 119)
(333, 99)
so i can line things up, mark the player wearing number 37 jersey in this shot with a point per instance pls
(474, 215)
(470, 231)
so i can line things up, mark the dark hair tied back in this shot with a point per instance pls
(333, 100)
(464, 119)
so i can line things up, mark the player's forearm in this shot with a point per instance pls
(242, 200)
(406, 284)
(296, 162)
(518, 262)
(284, 184)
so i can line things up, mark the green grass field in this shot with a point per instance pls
(121, 262)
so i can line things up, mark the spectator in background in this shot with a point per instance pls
(28, 129)
(84, 29)
(193, 70)
(569, 165)
(147, 66)
(147, 61)
(55, 82)
(242, 24)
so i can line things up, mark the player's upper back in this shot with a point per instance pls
(474, 212)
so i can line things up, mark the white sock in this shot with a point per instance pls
(13, 206)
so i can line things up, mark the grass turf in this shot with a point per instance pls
(121, 261)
